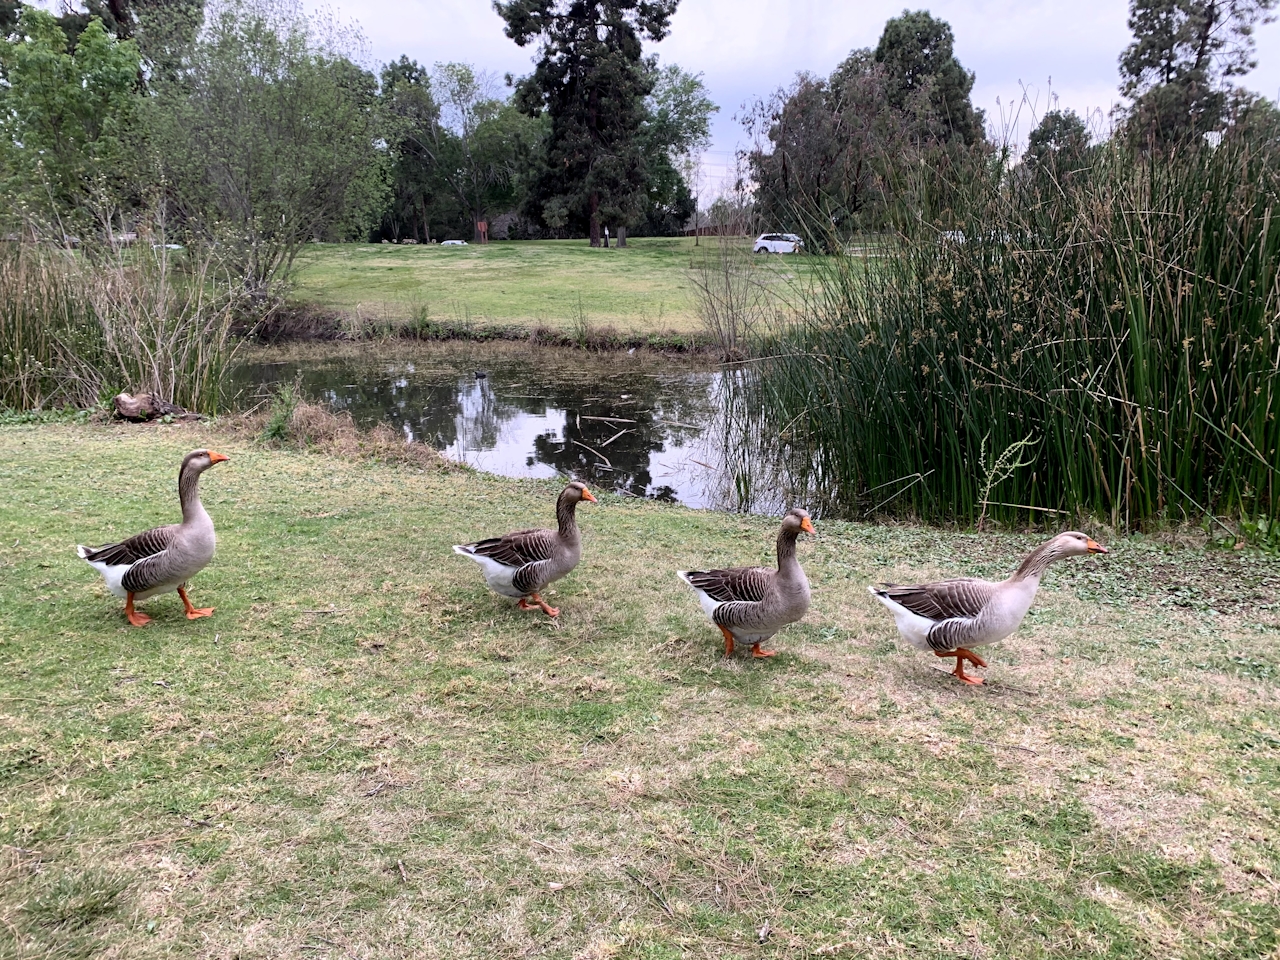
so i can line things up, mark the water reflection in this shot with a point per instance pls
(647, 426)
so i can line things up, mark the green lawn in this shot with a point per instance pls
(364, 754)
(645, 288)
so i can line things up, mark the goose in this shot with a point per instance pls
(751, 604)
(164, 558)
(521, 564)
(950, 617)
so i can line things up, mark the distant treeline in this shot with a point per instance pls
(252, 127)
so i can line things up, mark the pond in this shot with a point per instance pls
(639, 424)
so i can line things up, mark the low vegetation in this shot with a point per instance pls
(75, 330)
(1111, 318)
(363, 753)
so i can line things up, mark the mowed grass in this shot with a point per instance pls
(557, 284)
(364, 754)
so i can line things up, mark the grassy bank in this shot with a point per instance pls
(562, 286)
(364, 754)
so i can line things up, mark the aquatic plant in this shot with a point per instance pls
(76, 328)
(1120, 316)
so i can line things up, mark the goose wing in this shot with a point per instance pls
(135, 549)
(945, 600)
(517, 549)
(734, 584)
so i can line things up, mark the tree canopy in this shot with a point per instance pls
(65, 119)
(591, 78)
(1178, 70)
(831, 152)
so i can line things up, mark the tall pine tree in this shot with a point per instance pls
(592, 80)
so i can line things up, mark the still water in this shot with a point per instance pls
(641, 425)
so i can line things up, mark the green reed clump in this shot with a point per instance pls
(77, 327)
(1118, 319)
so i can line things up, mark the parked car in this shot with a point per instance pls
(777, 243)
(453, 243)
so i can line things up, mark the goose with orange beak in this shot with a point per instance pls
(522, 564)
(951, 617)
(751, 604)
(164, 558)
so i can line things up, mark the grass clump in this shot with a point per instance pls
(1119, 315)
(291, 421)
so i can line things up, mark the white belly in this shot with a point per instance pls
(496, 575)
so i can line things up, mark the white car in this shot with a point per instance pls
(453, 243)
(777, 243)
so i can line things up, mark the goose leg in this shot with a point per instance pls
(193, 613)
(136, 617)
(728, 640)
(761, 654)
(961, 656)
(548, 610)
(526, 605)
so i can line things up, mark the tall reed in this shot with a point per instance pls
(75, 328)
(1116, 323)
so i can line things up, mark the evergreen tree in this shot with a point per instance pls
(1177, 70)
(592, 79)
(925, 81)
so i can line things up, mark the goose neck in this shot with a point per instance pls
(189, 495)
(1036, 563)
(787, 562)
(567, 518)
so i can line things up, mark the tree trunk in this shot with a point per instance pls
(622, 236)
(595, 219)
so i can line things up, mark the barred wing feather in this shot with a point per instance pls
(945, 600)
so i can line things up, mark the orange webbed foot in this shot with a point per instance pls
(526, 605)
(760, 654)
(546, 608)
(193, 613)
(137, 618)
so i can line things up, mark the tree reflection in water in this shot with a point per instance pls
(644, 425)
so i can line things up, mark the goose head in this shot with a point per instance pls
(796, 521)
(202, 460)
(1072, 544)
(576, 492)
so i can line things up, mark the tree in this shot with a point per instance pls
(480, 143)
(1060, 137)
(592, 80)
(925, 81)
(833, 154)
(1177, 70)
(163, 29)
(675, 133)
(461, 153)
(416, 192)
(65, 119)
(269, 137)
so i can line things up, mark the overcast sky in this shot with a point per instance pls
(747, 48)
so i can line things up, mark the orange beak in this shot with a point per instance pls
(586, 495)
(1094, 546)
(807, 525)
(215, 457)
